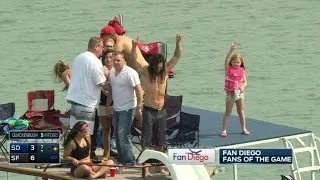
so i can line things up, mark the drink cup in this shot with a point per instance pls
(113, 172)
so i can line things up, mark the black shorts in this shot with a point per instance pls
(154, 124)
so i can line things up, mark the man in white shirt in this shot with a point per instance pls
(87, 79)
(127, 94)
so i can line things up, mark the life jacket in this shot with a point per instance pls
(234, 78)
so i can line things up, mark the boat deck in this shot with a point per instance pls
(210, 127)
(126, 174)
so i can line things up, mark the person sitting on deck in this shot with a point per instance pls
(77, 152)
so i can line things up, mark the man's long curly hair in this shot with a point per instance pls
(154, 60)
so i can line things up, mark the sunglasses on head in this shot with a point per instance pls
(83, 128)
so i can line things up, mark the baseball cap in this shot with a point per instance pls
(107, 30)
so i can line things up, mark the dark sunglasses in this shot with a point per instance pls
(108, 47)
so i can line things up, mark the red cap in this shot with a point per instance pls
(107, 30)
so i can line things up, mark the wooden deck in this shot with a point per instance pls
(62, 173)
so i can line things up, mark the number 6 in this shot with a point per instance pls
(32, 157)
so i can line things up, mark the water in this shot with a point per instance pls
(278, 39)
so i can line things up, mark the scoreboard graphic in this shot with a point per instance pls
(34, 147)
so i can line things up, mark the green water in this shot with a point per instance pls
(278, 39)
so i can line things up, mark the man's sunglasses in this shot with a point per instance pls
(108, 47)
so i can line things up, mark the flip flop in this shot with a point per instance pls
(223, 134)
(245, 133)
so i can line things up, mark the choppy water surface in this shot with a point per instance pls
(278, 39)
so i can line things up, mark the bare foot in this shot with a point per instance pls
(93, 176)
(245, 132)
(163, 172)
(147, 173)
(224, 133)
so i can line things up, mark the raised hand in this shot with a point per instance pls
(135, 43)
(120, 18)
(179, 37)
(234, 45)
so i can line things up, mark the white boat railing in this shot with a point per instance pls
(310, 148)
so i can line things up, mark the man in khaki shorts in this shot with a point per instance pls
(87, 79)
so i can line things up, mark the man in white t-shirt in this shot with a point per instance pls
(87, 79)
(126, 93)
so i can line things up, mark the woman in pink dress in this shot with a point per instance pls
(235, 83)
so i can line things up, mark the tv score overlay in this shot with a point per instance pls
(255, 156)
(191, 156)
(36, 151)
(230, 156)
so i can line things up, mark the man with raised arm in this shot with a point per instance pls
(154, 78)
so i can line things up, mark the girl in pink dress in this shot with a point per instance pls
(235, 82)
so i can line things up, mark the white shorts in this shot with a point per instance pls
(102, 110)
(234, 98)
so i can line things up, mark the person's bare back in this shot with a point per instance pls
(124, 45)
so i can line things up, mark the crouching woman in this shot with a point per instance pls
(77, 151)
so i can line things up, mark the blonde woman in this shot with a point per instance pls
(62, 72)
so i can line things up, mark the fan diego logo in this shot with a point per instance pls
(191, 156)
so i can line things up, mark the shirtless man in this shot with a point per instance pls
(154, 78)
(122, 44)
